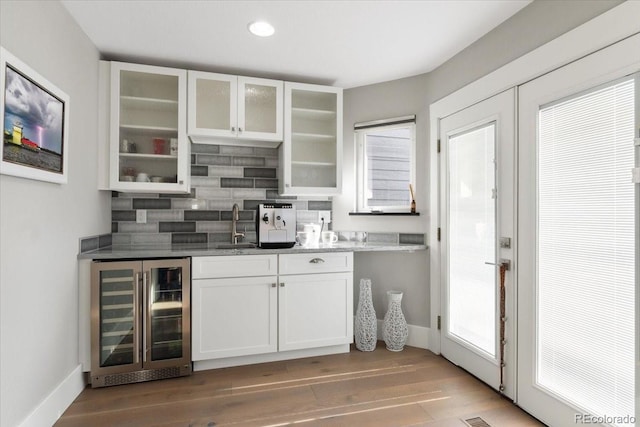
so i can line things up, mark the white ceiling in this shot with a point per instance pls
(341, 43)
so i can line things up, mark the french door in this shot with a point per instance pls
(578, 231)
(477, 208)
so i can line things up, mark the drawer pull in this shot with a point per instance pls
(316, 261)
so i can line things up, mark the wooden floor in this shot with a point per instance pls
(380, 388)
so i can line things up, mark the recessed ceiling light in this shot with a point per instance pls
(261, 29)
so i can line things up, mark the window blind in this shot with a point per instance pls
(586, 249)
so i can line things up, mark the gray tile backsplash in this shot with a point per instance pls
(221, 175)
(91, 243)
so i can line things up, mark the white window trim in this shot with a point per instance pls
(603, 30)
(359, 134)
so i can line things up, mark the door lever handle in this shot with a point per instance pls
(503, 262)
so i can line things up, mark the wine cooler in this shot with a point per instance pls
(140, 324)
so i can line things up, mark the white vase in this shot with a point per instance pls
(394, 327)
(366, 323)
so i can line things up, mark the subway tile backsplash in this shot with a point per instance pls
(221, 175)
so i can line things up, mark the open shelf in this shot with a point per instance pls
(313, 113)
(312, 137)
(156, 104)
(148, 156)
(320, 164)
(148, 129)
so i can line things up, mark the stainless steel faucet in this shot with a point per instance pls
(235, 217)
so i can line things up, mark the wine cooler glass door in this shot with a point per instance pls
(167, 321)
(115, 310)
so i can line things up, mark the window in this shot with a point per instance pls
(385, 157)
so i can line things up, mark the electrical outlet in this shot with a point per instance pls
(141, 216)
(326, 215)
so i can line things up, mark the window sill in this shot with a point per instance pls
(384, 213)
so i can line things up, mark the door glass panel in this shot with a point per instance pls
(166, 313)
(472, 249)
(585, 257)
(260, 108)
(213, 104)
(117, 317)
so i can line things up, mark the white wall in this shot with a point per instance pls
(533, 26)
(40, 223)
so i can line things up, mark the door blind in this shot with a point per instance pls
(586, 249)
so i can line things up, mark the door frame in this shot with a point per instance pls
(608, 28)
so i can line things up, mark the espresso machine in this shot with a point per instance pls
(276, 225)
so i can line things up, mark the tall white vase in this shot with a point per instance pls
(366, 327)
(394, 327)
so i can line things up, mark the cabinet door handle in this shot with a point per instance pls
(147, 311)
(316, 261)
(136, 310)
(273, 285)
(282, 285)
(240, 130)
(233, 129)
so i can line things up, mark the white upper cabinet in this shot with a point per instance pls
(237, 110)
(148, 144)
(311, 154)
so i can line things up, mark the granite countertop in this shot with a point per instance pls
(176, 251)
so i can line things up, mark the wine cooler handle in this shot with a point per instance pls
(136, 311)
(145, 312)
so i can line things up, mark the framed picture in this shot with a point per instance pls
(35, 119)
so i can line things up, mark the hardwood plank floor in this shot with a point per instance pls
(380, 388)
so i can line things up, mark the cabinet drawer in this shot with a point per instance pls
(327, 262)
(212, 267)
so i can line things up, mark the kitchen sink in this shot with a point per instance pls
(235, 245)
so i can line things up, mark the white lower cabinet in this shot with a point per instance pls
(271, 304)
(235, 306)
(234, 317)
(315, 310)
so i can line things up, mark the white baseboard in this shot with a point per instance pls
(418, 335)
(52, 407)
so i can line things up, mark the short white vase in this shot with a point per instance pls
(394, 327)
(366, 323)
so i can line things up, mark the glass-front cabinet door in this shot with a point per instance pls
(260, 109)
(167, 324)
(311, 154)
(149, 145)
(212, 104)
(237, 109)
(115, 310)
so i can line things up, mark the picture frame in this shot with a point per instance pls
(35, 123)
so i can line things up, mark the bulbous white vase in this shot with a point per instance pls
(394, 328)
